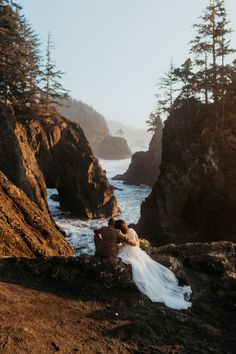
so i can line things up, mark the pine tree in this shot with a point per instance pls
(154, 122)
(185, 76)
(167, 95)
(223, 49)
(52, 90)
(230, 94)
(210, 48)
(19, 66)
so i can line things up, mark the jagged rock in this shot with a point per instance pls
(208, 267)
(26, 230)
(82, 271)
(17, 160)
(26, 227)
(144, 166)
(195, 196)
(207, 264)
(68, 164)
(113, 148)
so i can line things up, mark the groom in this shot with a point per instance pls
(107, 238)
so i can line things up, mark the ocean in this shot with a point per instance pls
(80, 231)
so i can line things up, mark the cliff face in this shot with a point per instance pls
(113, 148)
(144, 166)
(26, 230)
(17, 160)
(195, 196)
(32, 148)
(68, 164)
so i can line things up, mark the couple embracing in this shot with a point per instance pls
(110, 239)
(152, 279)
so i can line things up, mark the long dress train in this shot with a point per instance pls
(153, 279)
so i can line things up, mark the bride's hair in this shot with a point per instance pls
(121, 225)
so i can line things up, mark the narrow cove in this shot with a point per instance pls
(80, 231)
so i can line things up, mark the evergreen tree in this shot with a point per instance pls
(52, 90)
(154, 122)
(210, 48)
(230, 94)
(167, 87)
(186, 77)
(223, 49)
(19, 66)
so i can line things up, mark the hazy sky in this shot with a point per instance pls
(114, 51)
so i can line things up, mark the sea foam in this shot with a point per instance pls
(80, 231)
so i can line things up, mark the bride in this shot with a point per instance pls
(151, 278)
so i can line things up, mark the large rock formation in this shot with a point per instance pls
(144, 166)
(26, 230)
(68, 164)
(195, 196)
(17, 159)
(113, 148)
(26, 227)
(109, 313)
(66, 161)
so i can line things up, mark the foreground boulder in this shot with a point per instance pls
(210, 264)
(26, 230)
(195, 196)
(68, 164)
(78, 272)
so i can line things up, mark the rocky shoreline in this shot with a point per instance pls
(51, 301)
(89, 305)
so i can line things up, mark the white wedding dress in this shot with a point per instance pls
(153, 279)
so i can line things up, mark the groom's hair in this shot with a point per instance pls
(111, 222)
(120, 225)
